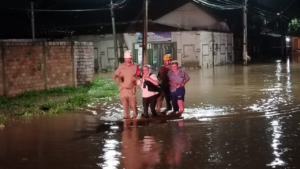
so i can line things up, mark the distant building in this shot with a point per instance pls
(190, 33)
(295, 44)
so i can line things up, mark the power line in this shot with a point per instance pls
(58, 4)
(288, 6)
(219, 6)
(267, 3)
(115, 5)
(66, 10)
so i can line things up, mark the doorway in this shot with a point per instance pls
(155, 53)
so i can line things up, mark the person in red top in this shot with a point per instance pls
(125, 77)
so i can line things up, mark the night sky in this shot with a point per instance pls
(16, 20)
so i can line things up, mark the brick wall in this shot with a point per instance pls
(59, 64)
(84, 62)
(37, 66)
(21, 67)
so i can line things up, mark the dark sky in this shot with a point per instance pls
(18, 22)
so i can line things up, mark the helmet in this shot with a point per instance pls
(174, 61)
(127, 54)
(167, 57)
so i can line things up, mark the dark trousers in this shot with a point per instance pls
(166, 93)
(150, 101)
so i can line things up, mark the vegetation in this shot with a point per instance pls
(54, 101)
(294, 27)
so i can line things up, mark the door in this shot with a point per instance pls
(215, 55)
(229, 48)
(206, 49)
(216, 48)
(155, 53)
(222, 48)
(103, 60)
(111, 57)
(170, 48)
(96, 60)
(189, 58)
(157, 56)
(206, 62)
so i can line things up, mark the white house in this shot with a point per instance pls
(201, 41)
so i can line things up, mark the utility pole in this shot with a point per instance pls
(245, 54)
(281, 30)
(114, 34)
(144, 60)
(32, 21)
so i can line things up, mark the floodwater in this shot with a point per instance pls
(236, 117)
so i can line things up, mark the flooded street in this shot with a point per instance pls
(236, 117)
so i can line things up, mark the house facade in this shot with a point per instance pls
(197, 39)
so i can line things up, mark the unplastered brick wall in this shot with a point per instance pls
(43, 65)
(59, 64)
(22, 72)
(84, 62)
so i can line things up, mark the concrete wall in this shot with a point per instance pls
(104, 47)
(194, 48)
(203, 48)
(188, 46)
(27, 66)
(216, 48)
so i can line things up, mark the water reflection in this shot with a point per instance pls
(111, 155)
(180, 145)
(136, 153)
(276, 124)
(277, 134)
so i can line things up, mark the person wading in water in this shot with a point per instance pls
(177, 79)
(165, 86)
(150, 91)
(125, 77)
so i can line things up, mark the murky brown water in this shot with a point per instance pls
(236, 117)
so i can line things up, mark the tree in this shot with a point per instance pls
(294, 27)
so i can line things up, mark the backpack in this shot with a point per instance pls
(152, 87)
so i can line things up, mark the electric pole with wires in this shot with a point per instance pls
(145, 31)
(245, 53)
(32, 21)
(114, 34)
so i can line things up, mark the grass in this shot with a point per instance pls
(57, 100)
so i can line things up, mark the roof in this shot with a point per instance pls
(121, 27)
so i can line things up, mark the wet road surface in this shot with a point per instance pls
(236, 117)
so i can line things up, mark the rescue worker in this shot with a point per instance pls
(125, 77)
(177, 79)
(165, 86)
